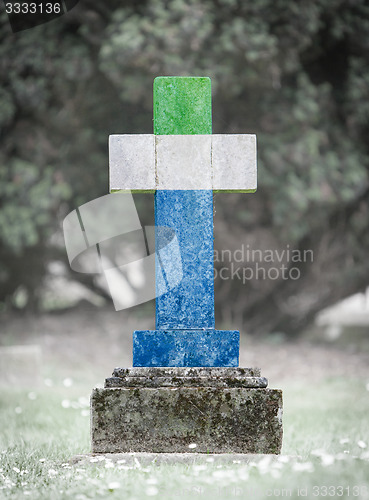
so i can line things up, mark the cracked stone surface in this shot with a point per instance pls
(188, 377)
(197, 371)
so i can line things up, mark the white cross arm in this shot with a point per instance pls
(146, 162)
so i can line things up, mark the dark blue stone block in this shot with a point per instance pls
(186, 347)
(190, 305)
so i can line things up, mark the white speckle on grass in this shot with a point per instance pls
(114, 485)
(15, 469)
(225, 474)
(210, 459)
(367, 386)
(318, 453)
(48, 382)
(8, 483)
(361, 444)
(32, 396)
(137, 463)
(83, 401)
(152, 480)
(344, 440)
(52, 472)
(340, 456)
(243, 474)
(284, 459)
(152, 491)
(18, 410)
(42, 460)
(192, 446)
(275, 473)
(109, 465)
(94, 459)
(327, 460)
(26, 492)
(264, 464)
(199, 467)
(303, 467)
(85, 413)
(67, 382)
(277, 465)
(122, 461)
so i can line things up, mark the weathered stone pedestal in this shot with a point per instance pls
(164, 410)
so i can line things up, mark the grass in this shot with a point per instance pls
(325, 451)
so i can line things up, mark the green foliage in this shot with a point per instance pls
(294, 73)
(31, 198)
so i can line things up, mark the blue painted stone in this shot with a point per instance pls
(186, 347)
(189, 213)
(185, 334)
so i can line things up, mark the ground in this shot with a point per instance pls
(326, 403)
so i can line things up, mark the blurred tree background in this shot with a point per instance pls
(294, 73)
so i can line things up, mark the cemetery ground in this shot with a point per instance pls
(42, 427)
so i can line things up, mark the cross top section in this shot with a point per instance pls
(182, 153)
(183, 163)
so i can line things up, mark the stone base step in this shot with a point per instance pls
(186, 377)
(170, 419)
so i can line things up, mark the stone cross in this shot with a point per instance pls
(183, 163)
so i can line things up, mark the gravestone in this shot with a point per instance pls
(185, 387)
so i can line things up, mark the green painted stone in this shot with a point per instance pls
(174, 113)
